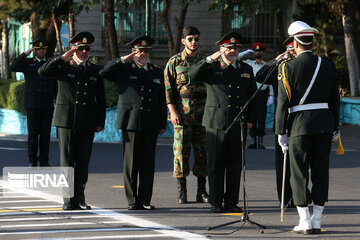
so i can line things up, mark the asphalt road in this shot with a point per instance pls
(33, 215)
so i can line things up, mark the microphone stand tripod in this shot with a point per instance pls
(240, 118)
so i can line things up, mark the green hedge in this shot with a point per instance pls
(12, 94)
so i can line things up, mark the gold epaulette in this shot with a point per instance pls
(285, 82)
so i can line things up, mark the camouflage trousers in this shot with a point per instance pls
(184, 137)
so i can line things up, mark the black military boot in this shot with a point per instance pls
(182, 190)
(202, 195)
(260, 143)
(254, 144)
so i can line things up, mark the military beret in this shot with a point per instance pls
(230, 39)
(299, 29)
(258, 46)
(82, 39)
(40, 43)
(141, 42)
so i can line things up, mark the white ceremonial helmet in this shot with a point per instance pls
(301, 29)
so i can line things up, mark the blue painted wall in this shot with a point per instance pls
(15, 123)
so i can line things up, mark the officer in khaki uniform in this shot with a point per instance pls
(141, 115)
(39, 101)
(186, 100)
(79, 110)
(229, 84)
(307, 112)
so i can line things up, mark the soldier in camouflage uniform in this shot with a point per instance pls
(186, 100)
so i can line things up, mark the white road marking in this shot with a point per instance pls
(13, 149)
(141, 223)
(23, 201)
(31, 207)
(50, 218)
(75, 231)
(17, 196)
(105, 237)
(45, 224)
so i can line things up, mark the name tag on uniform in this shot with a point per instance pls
(133, 77)
(93, 78)
(245, 75)
(219, 73)
(71, 75)
(32, 65)
(181, 69)
(156, 80)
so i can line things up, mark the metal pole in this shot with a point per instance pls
(148, 17)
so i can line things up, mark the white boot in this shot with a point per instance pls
(304, 226)
(316, 218)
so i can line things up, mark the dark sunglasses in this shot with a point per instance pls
(84, 48)
(144, 50)
(190, 39)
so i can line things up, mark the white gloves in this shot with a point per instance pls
(243, 53)
(283, 142)
(270, 101)
(335, 136)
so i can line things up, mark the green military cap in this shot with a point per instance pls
(141, 42)
(40, 43)
(82, 39)
(230, 39)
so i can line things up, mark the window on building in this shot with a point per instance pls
(130, 20)
(253, 26)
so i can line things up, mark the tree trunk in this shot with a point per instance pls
(51, 37)
(71, 24)
(165, 21)
(5, 49)
(36, 31)
(179, 26)
(352, 56)
(57, 31)
(110, 31)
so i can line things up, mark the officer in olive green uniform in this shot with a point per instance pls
(307, 112)
(229, 84)
(79, 110)
(141, 115)
(39, 101)
(186, 100)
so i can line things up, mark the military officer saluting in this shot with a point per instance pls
(307, 116)
(79, 110)
(141, 116)
(39, 101)
(229, 84)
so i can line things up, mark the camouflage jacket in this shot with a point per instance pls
(186, 95)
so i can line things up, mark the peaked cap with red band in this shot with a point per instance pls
(141, 42)
(40, 43)
(82, 39)
(258, 46)
(230, 39)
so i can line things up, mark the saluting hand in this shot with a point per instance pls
(28, 52)
(67, 56)
(129, 57)
(215, 56)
